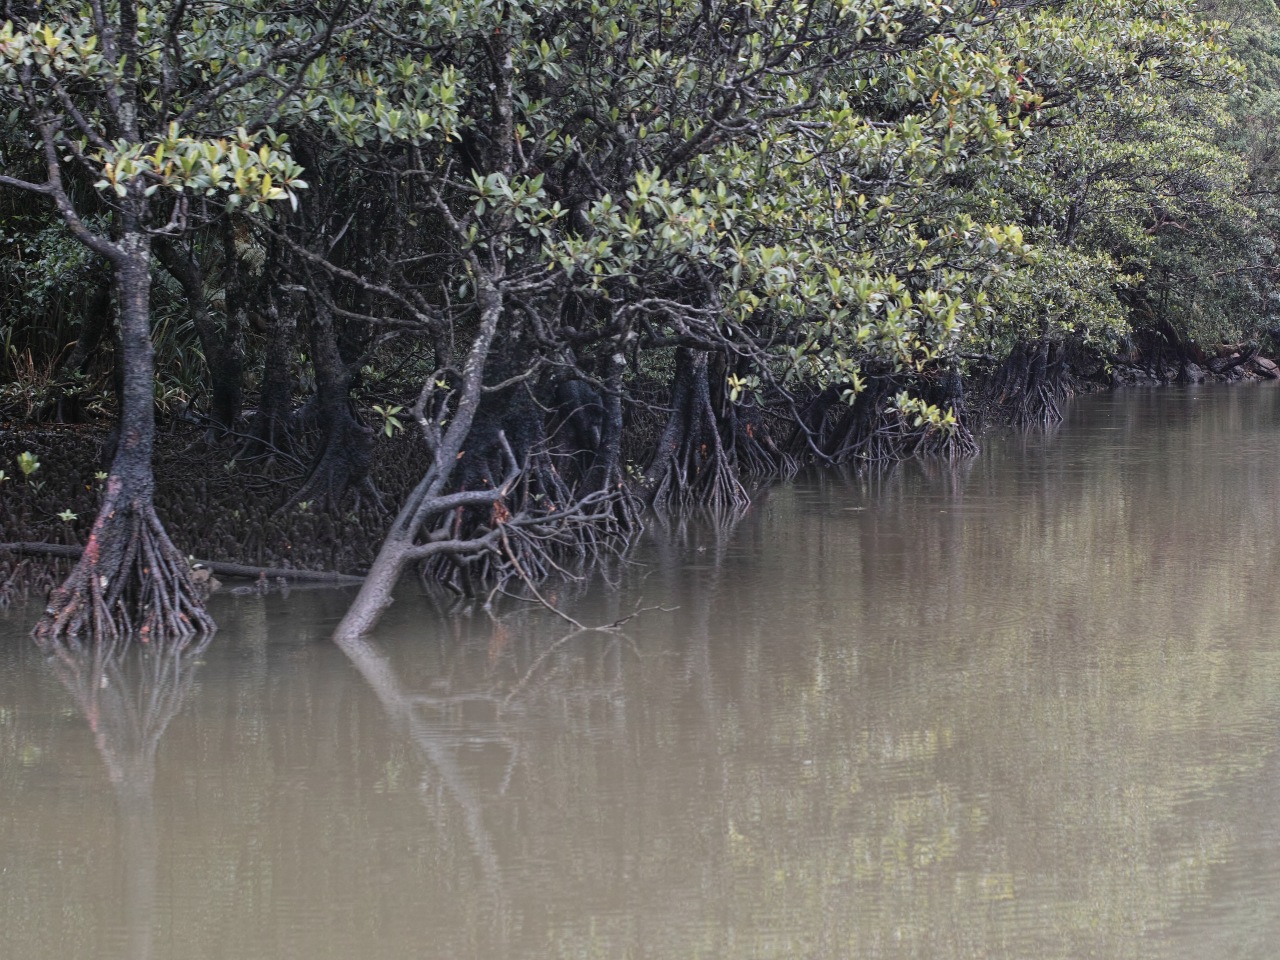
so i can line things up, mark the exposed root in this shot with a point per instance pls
(855, 435)
(752, 445)
(131, 582)
(896, 438)
(812, 425)
(341, 464)
(268, 437)
(539, 538)
(698, 476)
(956, 442)
(874, 431)
(691, 468)
(561, 509)
(950, 446)
(1032, 384)
(20, 579)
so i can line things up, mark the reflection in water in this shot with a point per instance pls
(1025, 708)
(128, 694)
(406, 712)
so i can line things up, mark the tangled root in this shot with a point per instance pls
(540, 537)
(691, 468)
(1032, 385)
(131, 582)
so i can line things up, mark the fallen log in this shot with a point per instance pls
(218, 567)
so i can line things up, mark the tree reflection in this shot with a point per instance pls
(406, 712)
(129, 693)
(811, 771)
(488, 685)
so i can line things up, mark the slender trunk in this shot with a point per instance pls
(605, 472)
(398, 550)
(223, 358)
(269, 433)
(131, 580)
(344, 454)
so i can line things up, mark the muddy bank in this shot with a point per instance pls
(214, 507)
(1228, 364)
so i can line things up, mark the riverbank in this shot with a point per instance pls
(238, 513)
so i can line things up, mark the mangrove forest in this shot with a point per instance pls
(468, 292)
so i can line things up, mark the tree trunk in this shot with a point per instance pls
(744, 428)
(131, 581)
(269, 433)
(691, 468)
(427, 503)
(344, 454)
(859, 434)
(223, 354)
(606, 470)
(1031, 384)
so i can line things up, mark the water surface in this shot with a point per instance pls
(1028, 708)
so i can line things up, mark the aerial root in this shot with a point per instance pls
(130, 583)
(541, 539)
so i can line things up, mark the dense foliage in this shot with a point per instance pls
(597, 254)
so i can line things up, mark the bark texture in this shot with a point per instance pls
(131, 581)
(691, 466)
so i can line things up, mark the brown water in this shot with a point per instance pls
(1026, 710)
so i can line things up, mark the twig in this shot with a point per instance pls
(506, 546)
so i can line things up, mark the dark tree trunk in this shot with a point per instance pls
(1031, 384)
(858, 435)
(344, 454)
(691, 468)
(606, 469)
(269, 433)
(427, 503)
(131, 581)
(66, 404)
(226, 373)
(607, 475)
(745, 428)
(223, 351)
(811, 426)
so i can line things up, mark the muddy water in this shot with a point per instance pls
(1030, 709)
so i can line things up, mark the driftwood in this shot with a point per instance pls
(216, 566)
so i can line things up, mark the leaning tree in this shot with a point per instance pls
(163, 107)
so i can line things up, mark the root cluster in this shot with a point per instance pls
(131, 582)
(1032, 384)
